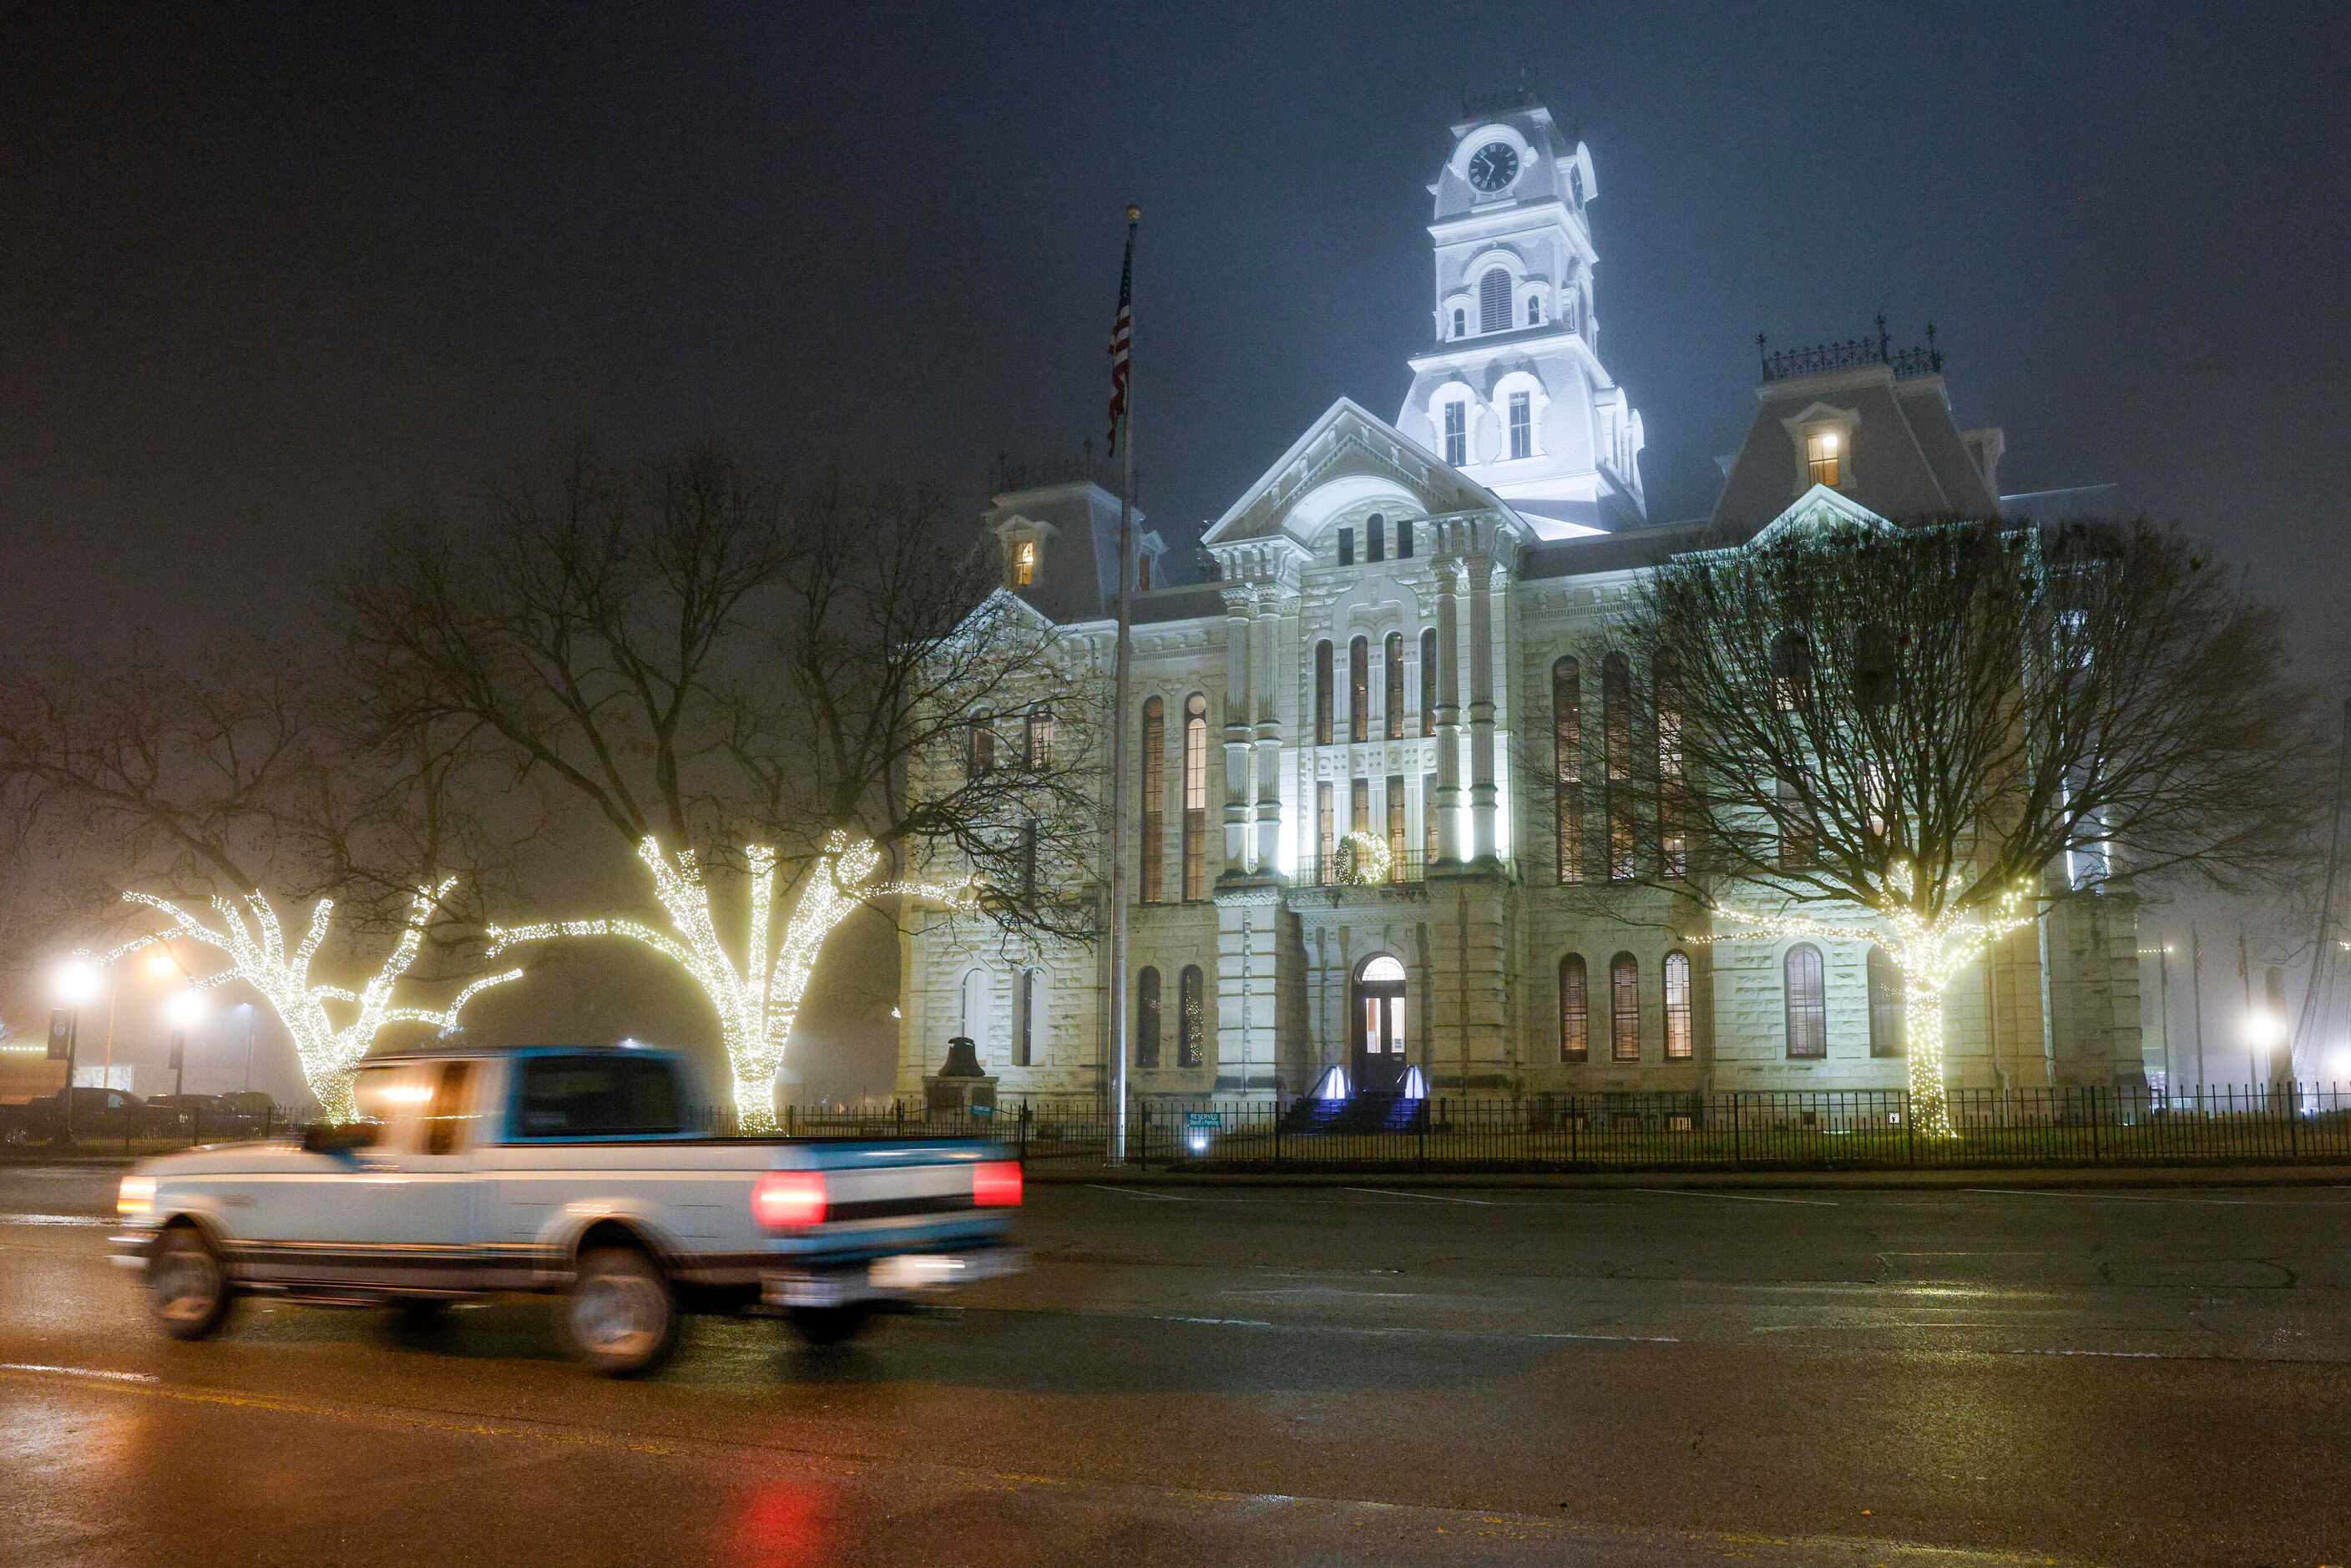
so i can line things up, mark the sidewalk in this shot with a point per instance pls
(2048, 1176)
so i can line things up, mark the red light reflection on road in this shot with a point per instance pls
(781, 1521)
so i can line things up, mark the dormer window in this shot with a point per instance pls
(1494, 300)
(1824, 456)
(1024, 562)
(1534, 311)
(1461, 323)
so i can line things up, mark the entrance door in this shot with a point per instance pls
(1379, 1026)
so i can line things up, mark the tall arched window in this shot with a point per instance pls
(1154, 819)
(1041, 738)
(1808, 1004)
(1456, 431)
(1024, 1036)
(1146, 1018)
(1791, 671)
(1195, 798)
(1428, 681)
(1567, 766)
(1672, 842)
(1359, 689)
(1574, 1010)
(1460, 324)
(1617, 738)
(982, 757)
(1191, 1018)
(1494, 300)
(1624, 1007)
(1890, 1024)
(1392, 685)
(1680, 1036)
(1322, 694)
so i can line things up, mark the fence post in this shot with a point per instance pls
(1910, 1130)
(1738, 1154)
(1022, 1138)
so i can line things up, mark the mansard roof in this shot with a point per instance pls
(1907, 456)
(1349, 442)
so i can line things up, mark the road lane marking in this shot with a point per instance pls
(54, 1219)
(1731, 1196)
(99, 1373)
(1130, 1192)
(1625, 1338)
(1427, 1197)
(2103, 1354)
(2106, 1196)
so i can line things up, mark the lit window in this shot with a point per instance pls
(1359, 689)
(1673, 844)
(1395, 827)
(1326, 828)
(1195, 798)
(1024, 563)
(1822, 455)
(1322, 694)
(1522, 433)
(1624, 1007)
(1041, 740)
(1457, 433)
(1154, 795)
(1494, 301)
(1428, 680)
(1567, 766)
(1617, 743)
(1808, 1007)
(1359, 805)
(1678, 1007)
(983, 749)
(1574, 1012)
(1191, 1018)
(1432, 820)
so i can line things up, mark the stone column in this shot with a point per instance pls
(1238, 606)
(1481, 706)
(1264, 667)
(1448, 711)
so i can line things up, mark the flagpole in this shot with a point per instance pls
(1122, 430)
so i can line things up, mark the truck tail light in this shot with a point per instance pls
(996, 1185)
(788, 1200)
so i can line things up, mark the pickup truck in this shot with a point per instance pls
(570, 1171)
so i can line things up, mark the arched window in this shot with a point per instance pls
(1041, 740)
(1457, 433)
(1392, 685)
(1359, 689)
(1673, 841)
(981, 759)
(1322, 694)
(1574, 1010)
(1494, 301)
(1678, 1034)
(1024, 1037)
(1460, 324)
(1534, 310)
(1024, 563)
(1375, 537)
(1195, 798)
(1616, 739)
(1428, 680)
(1808, 1004)
(1146, 1018)
(1890, 1024)
(971, 1015)
(1522, 425)
(1624, 1007)
(1567, 766)
(1154, 819)
(1191, 1019)
(1791, 671)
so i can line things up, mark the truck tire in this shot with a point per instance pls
(187, 1284)
(622, 1317)
(830, 1325)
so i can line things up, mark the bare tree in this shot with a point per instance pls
(222, 781)
(1921, 737)
(727, 674)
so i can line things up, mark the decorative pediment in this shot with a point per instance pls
(1817, 508)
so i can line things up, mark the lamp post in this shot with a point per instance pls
(2263, 1031)
(73, 985)
(181, 1011)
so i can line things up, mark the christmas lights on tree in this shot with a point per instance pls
(757, 999)
(1928, 953)
(254, 943)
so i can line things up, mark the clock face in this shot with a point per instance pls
(1494, 167)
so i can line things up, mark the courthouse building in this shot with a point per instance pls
(1347, 848)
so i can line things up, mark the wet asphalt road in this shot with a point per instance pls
(1272, 1376)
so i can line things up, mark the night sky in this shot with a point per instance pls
(269, 272)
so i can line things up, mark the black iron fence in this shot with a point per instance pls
(1777, 1130)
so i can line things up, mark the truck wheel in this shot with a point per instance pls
(187, 1284)
(830, 1325)
(620, 1318)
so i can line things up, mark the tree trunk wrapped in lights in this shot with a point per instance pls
(251, 938)
(1922, 736)
(758, 995)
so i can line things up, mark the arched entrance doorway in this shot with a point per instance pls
(1379, 1025)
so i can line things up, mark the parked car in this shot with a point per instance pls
(198, 1117)
(569, 1171)
(96, 1114)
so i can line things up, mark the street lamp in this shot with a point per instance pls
(2263, 1032)
(73, 987)
(183, 1010)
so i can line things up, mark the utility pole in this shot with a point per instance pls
(2196, 999)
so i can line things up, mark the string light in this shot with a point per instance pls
(254, 943)
(1929, 954)
(1362, 860)
(757, 999)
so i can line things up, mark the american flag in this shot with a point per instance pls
(1121, 334)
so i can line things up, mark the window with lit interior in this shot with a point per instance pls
(1823, 455)
(1195, 798)
(1808, 1005)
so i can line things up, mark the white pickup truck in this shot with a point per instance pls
(572, 1171)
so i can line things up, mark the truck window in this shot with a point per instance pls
(596, 1097)
(444, 1123)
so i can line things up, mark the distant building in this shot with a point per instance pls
(1398, 627)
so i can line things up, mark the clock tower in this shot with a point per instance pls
(1512, 390)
